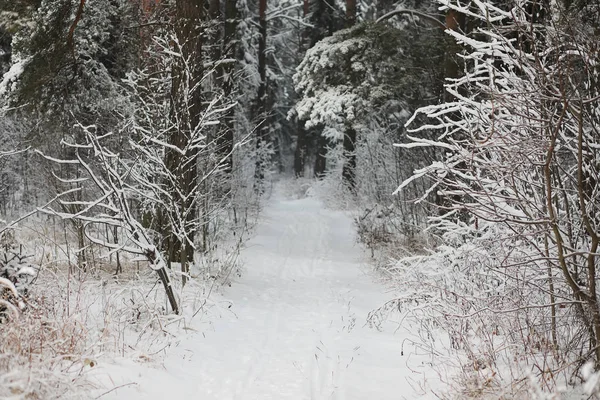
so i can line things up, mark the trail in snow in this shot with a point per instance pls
(297, 326)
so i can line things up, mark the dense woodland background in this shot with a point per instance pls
(463, 135)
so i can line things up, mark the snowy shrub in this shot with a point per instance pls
(299, 188)
(385, 231)
(10, 300)
(513, 287)
(16, 273)
(43, 351)
(39, 355)
(476, 300)
(72, 326)
(14, 263)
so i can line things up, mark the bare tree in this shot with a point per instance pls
(519, 134)
(112, 207)
(186, 108)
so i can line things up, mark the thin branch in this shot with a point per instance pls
(403, 11)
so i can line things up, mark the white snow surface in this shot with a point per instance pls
(296, 329)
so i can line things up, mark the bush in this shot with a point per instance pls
(16, 275)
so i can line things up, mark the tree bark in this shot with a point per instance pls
(349, 169)
(455, 21)
(300, 153)
(186, 107)
(350, 13)
(261, 102)
(349, 143)
(225, 142)
(321, 158)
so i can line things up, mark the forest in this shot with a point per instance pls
(299, 199)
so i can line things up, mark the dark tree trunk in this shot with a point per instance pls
(214, 34)
(228, 68)
(261, 103)
(302, 134)
(455, 21)
(349, 170)
(189, 15)
(350, 13)
(300, 153)
(321, 158)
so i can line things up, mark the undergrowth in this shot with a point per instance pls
(65, 321)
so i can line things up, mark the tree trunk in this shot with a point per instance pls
(186, 107)
(349, 143)
(225, 142)
(455, 21)
(350, 13)
(349, 170)
(261, 103)
(159, 265)
(300, 153)
(321, 158)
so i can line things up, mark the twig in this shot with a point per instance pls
(117, 387)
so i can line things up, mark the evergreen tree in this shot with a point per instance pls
(369, 74)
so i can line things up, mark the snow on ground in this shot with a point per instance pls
(295, 329)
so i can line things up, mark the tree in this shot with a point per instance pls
(362, 75)
(325, 17)
(15, 16)
(113, 178)
(301, 150)
(261, 112)
(519, 138)
(62, 73)
(186, 108)
(179, 122)
(227, 70)
(349, 141)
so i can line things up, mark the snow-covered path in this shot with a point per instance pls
(297, 326)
